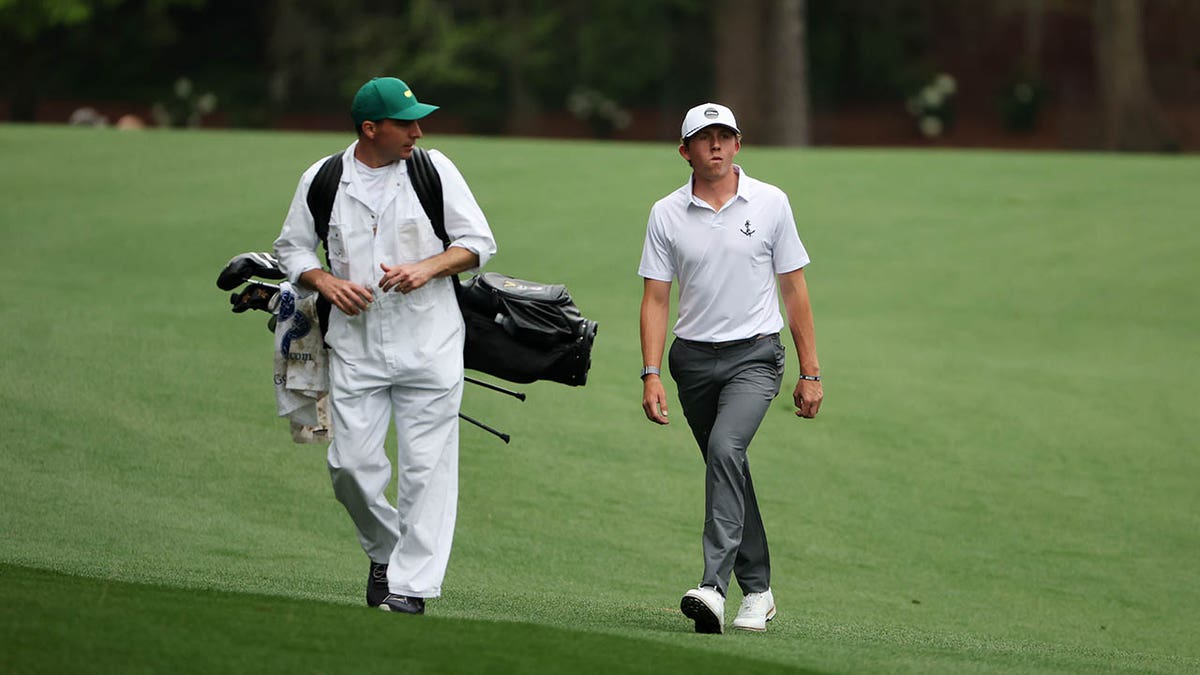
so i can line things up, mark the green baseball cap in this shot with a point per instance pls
(387, 98)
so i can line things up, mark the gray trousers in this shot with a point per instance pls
(725, 390)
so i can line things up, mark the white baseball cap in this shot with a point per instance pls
(707, 114)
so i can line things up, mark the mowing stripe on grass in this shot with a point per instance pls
(1002, 479)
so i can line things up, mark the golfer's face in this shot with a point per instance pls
(396, 138)
(711, 150)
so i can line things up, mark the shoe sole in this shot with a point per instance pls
(385, 607)
(756, 629)
(695, 609)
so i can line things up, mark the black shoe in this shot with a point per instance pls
(403, 604)
(377, 587)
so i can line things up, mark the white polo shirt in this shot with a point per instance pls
(726, 260)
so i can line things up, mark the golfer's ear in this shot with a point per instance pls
(368, 128)
(683, 152)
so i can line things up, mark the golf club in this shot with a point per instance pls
(256, 295)
(245, 265)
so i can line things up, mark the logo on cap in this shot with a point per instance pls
(711, 113)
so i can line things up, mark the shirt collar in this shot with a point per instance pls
(744, 191)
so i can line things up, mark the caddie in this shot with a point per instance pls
(395, 337)
(727, 238)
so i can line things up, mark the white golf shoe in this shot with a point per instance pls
(705, 606)
(756, 610)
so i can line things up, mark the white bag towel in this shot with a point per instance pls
(301, 365)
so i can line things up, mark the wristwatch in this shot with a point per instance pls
(650, 370)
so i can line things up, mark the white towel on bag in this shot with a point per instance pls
(301, 365)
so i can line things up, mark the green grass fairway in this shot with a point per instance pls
(1004, 477)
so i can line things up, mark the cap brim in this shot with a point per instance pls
(698, 129)
(414, 112)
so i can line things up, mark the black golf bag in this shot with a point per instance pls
(523, 331)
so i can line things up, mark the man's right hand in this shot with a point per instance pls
(344, 294)
(654, 400)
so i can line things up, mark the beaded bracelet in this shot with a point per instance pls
(811, 378)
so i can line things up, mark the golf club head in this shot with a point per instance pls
(245, 265)
(255, 295)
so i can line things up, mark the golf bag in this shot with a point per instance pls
(520, 331)
(523, 331)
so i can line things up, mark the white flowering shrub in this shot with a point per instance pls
(601, 113)
(932, 107)
(186, 108)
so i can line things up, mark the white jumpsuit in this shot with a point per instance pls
(403, 357)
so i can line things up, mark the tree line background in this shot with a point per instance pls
(1112, 74)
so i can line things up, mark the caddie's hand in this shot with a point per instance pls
(346, 295)
(807, 396)
(404, 278)
(654, 400)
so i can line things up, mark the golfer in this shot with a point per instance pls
(395, 337)
(726, 237)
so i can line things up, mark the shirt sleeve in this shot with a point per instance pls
(466, 225)
(656, 252)
(787, 252)
(296, 246)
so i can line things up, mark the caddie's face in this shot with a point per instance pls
(393, 139)
(711, 150)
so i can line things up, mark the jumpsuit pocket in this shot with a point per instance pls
(335, 246)
(350, 252)
(414, 240)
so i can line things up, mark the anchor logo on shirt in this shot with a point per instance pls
(746, 230)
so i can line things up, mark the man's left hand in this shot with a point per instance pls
(807, 396)
(405, 278)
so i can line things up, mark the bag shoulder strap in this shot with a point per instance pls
(323, 191)
(421, 171)
(321, 194)
(428, 184)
